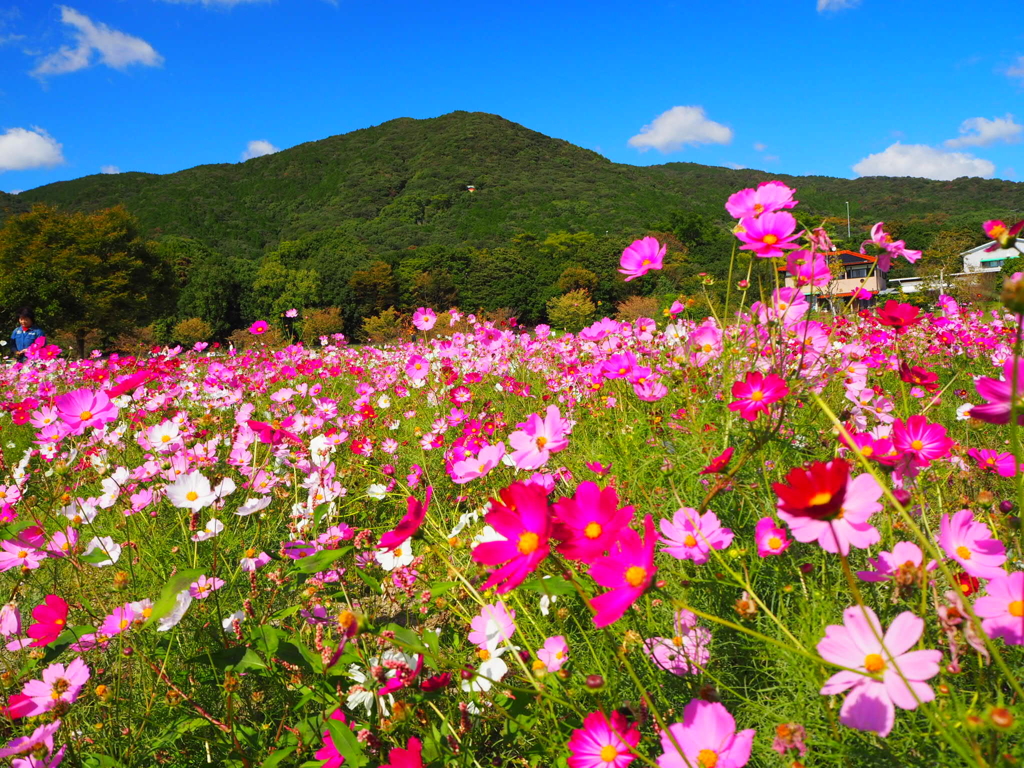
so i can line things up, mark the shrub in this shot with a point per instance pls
(193, 330)
(571, 312)
(387, 326)
(242, 339)
(575, 278)
(321, 322)
(635, 307)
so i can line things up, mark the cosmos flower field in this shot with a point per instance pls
(775, 537)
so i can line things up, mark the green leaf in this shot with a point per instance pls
(236, 659)
(169, 594)
(101, 761)
(368, 580)
(347, 744)
(554, 585)
(436, 590)
(321, 561)
(266, 639)
(278, 757)
(407, 639)
(299, 655)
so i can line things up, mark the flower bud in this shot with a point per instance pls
(1013, 293)
(595, 682)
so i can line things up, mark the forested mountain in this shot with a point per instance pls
(385, 216)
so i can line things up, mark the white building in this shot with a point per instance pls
(980, 260)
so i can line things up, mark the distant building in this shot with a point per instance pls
(976, 261)
(470, 188)
(854, 274)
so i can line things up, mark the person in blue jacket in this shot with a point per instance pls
(26, 332)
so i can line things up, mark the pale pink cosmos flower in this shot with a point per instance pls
(486, 459)
(641, 256)
(204, 586)
(771, 234)
(905, 562)
(119, 620)
(84, 409)
(768, 197)
(424, 318)
(705, 343)
(999, 393)
(808, 268)
(787, 305)
(41, 736)
(851, 527)
(59, 687)
(888, 674)
(972, 545)
(690, 536)
(708, 739)
(1002, 608)
(687, 652)
(554, 654)
(10, 620)
(492, 626)
(536, 439)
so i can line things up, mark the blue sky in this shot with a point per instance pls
(903, 87)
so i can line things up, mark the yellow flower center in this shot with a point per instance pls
(538, 665)
(757, 395)
(85, 415)
(635, 576)
(609, 753)
(768, 240)
(484, 654)
(963, 552)
(528, 543)
(123, 624)
(774, 542)
(541, 442)
(690, 541)
(758, 209)
(645, 263)
(592, 531)
(997, 231)
(191, 495)
(708, 758)
(707, 348)
(917, 445)
(677, 641)
(22, 554)
(867, 450)
(874, 663)
(821, 497)
(1017, 608)
(165, 439)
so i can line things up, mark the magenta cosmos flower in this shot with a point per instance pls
(259, 327)
(537, 438)
(590, 522)
(689, 536)
(1001, 464)
(522, 517)
(626, 571)
(770, 538)
(409, 757)
(603, 742)
(416, 513)
(972, 545)
(920, 440)
(204, 586)
(999, 393)
(417, 367)
(640, 257)
(755, 393)
(808, 268)
(888, 674)
(84, 409)
(770, 196)
(274, 433)
(707, 738)
(771, 234)
(424, 318)
(1002, 608)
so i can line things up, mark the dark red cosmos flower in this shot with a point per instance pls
(436, 682)
(719, 463)
(816, 491)
(409, 524)
(898, 316)
(915, 374)
(967, 583)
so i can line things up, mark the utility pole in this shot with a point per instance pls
(847, 219)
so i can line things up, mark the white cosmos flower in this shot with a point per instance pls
(213, 528)
(237, 615)
(191, 491)
(377, 491)
(106, 545)
(401, 557)
(963, 412)
(253, 505)
(492, 669)
(181, 604)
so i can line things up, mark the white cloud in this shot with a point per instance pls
(15, 191)
(836, 5)
(23, 148)
(923, 161)
(759, 147)
(1017, 70)
(679, 126)
(734, 166)
(109, 169)
(259, 148)
(980, 132)
(114, 48)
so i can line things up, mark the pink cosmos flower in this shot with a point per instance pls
(492, 626)
(554, 654)
(410, 757)
(417, 367)
(259, 327)
(204, 586)
(787, 305)
(904, 562)
(59, 687)
(707, 737)
(768, 235)
(755, 393)
(41, 736)
(590, 522)
(49, 760)
(275, 432)
(705, 344)
(889, 248)
(998, 463)
(770, 196)
(424, 318)
(770, 538)
(641, 256)
(118, 621)
(920, 440)
(537, 438)
(1005, 236)
(850, 526)
(603, 742)
(523, 519)
(486, 459)
(15, 554)
(84, 409)
(1002, 608)
(888, 674)
(999, 394)
(10, 620)
(687, 652)
(410, 523)
(690, 536)
(808, 268)
(972, 545)
(329, 752)
(626, 572)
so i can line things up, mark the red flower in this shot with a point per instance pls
(967, 583)
(816, 491)
(915, 374)
(51, 617)
(409, 524)
(410, 757)
(898, 316)
(718, 464)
